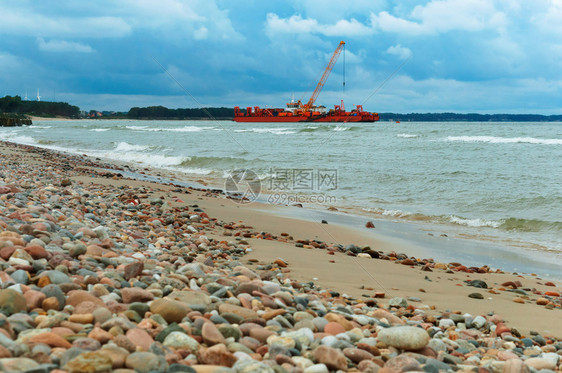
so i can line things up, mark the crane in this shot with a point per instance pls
(325, 76)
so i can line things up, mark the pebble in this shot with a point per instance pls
(404, 337)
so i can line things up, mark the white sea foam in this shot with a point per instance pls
(407, 135)
(139, 128)
(196, 171)
(505, 140)
(100, 129)
(126, 147)
(19, 139)
(473, 222)
(341, 128)
(169, 129)
(188, 129)
(34, 126)
(275, 131)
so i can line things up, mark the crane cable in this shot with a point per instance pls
(344, 69)
(386, 80)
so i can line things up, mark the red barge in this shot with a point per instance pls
(299, 112)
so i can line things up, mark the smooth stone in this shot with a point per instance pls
(140, 338)
(476, 295)
(181, 340)
(170, 310)
(239, 347)
(229, 331)
(237, 310)
(478, 322)
(17, 364)
(12, 302)
(404, 337)
(334, 328)
(180, 368)
(56, 277)
(53, 290)
(398, 302)
(333, 359)
(140, 308)
(515, 366)
(251, 366)
(438, 365)
(93, 362)
(20, 276)
(437, 345)
(402, 363)
(88, 344)
(283, 341)
(217, 355)
(144, 362)
(211, 335)
(118, 355)
(174, 327)
(317, 368)
(131, 295)
(77, 297)
(101, 315)
(539, 363)
(446, 323)
(357, 355)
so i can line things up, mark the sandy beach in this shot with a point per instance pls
(97, 265)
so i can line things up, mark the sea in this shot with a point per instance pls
(497, 182)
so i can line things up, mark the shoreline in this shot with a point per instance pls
(525, 244)
(110, 272)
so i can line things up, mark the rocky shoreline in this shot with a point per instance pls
(125, 277)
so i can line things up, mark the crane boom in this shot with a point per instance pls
(325, 76)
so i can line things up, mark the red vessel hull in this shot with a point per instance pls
(302, 118)
(281, 115)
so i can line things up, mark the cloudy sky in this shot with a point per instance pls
(485, 56)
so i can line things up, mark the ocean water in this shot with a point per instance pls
(491, 181)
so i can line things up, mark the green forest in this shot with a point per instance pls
(15, 105)
(161, 112)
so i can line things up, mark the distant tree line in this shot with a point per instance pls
(16, 105)
(161, 112)
(473, 117)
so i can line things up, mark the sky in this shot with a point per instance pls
(465, 56)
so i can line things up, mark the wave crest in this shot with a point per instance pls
(504, 140)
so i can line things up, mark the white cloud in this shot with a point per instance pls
(439, 16)
(63, 46)
(25, 22)
(400, 51)
(298, 25)
(201, 33)
(548, 20)
(181, 19)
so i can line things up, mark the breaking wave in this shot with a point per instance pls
(505, 140)
(126, 147)
(275, 131)
(506, 224)
(169, 129)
